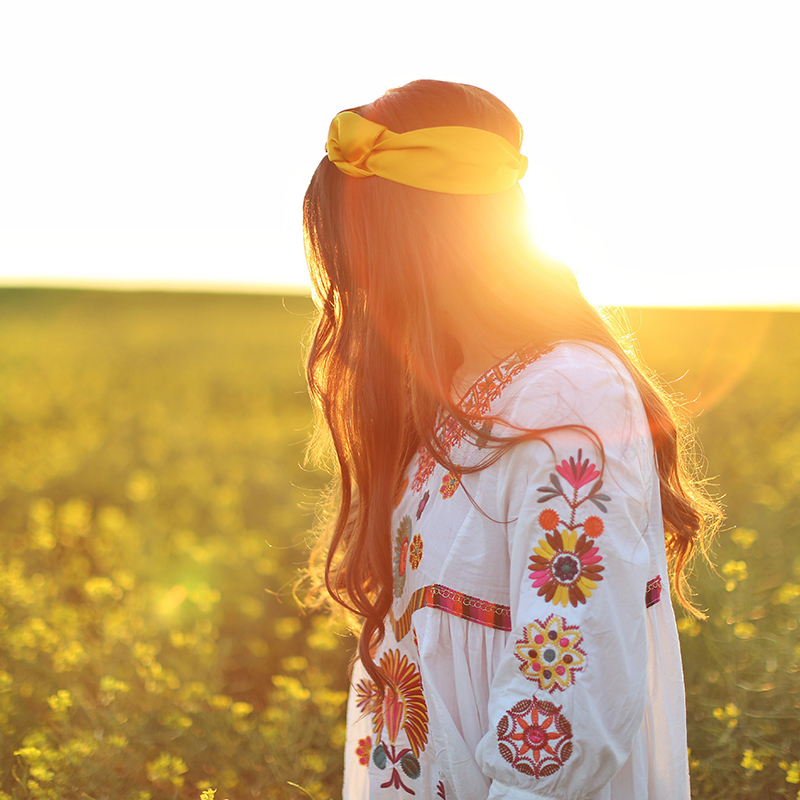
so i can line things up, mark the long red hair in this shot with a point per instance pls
(382, 357)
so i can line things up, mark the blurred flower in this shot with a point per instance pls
(734, 571)
(744, 537)
(750, 762)
(286, 627)
(792, 771)
(786, 594)
(60, 701)
(744, 630)
(689, 626)
(729, 714)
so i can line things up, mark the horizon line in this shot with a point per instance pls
(233, 288)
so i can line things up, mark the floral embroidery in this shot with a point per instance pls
(401, 490)
(440, 790)
(363, 750)
(535, 738)
(548, 519)
(415, 552)
(475, 403)
(426, 464)
(577, 473)
(593, 527)
(401, 543)
(550, 653)
(450, 483)
(423, 503)
(402, 709)
(565, 568)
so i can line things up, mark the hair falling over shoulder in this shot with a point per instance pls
(390, 265)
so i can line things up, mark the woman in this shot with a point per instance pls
(512, 499)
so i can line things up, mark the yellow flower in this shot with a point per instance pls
(792, 771)
(750, 762)
(241, 709)
(734, 571)
(689, 626)
(786, 593)
(744, 537)
(729, 714)
(60, 701)
(744, 630)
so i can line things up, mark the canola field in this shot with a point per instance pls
(155, 509)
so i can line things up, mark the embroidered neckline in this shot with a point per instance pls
(475, 403)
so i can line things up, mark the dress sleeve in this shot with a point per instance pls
(568, 695)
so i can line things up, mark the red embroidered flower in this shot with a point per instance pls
(450, 483)
(566, 568)
(535, 738)
(550, 653)
(577, 473)
(363, 750)
(415, 554)
(425, 467)
(593, 527)
(548, 519)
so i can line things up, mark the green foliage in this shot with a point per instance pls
(742, 665)
(154, 512)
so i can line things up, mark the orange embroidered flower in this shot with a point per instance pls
(548, 519)
(415, 554)
(450, 483)
(593, 527)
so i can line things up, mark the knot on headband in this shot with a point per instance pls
(450, 159)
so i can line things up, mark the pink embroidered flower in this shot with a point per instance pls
(577, 473)
(566, 568)
(550, 653)
(415, 554)
(535, 738)
(363, 750)
(450, 482)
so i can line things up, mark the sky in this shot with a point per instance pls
(168, 144)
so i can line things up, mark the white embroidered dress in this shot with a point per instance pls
(531, 647)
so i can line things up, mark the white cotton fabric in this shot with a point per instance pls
(619, 730)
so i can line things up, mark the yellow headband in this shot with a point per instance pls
(453, 160)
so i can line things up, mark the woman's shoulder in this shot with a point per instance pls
(572, 382)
